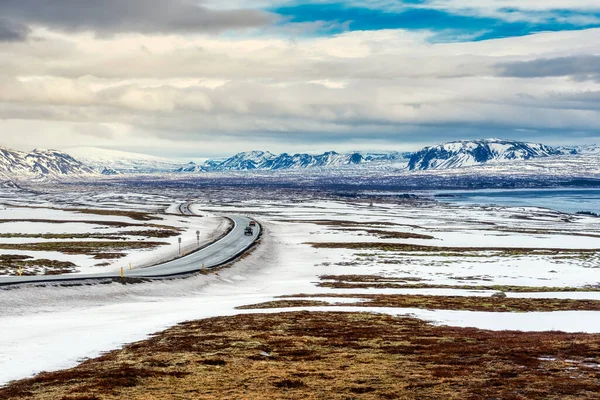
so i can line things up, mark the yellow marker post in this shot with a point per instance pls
(122, 272)
(20, 271)
(203, 269)
(130, 267)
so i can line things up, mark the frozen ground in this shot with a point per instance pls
(47, 328)
(53, 218)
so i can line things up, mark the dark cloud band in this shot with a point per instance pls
(115, 16)
(580, 67)
(12, 31)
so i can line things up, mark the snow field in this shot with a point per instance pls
(50, 328)
(210, 226)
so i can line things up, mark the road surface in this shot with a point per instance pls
(218, 253)
(185, 208)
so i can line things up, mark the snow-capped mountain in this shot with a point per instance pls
(476, 152)
(12, 161)
(264, 160)
(55, 162)
(191, 167)
(444, 157)
(246, 161)
(40, 162)
(113, 162)
(588, 149)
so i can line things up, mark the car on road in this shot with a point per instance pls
(248, 231)
(252, 223)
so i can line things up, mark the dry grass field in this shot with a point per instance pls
(315, 355)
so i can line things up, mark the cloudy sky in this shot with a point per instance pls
(204, 78)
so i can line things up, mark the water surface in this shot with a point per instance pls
(565, 200)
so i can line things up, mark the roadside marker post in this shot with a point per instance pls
(203, 268)
(122, 272)
(179, 240)
(130, 267)
(20, 271)
(198, 237)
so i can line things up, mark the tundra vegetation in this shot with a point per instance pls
(316, 355)
(131, 231)
(310, 352)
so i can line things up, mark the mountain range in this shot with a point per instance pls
(476, 152)
(89, 161)
(40, 162)
(267, 161)
(114, 162)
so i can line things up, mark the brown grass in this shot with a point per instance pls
(381, 234)
(10, 264)
(544, 232)
(285, 304)
(117, 224)
(334, 356)
(467, 303)
(369, 281)
(135, 215)
(153, 233)
(331, 222)
(405, 247)
(89, 248)
(370, 278)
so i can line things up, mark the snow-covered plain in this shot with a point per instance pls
(48, 328)
(48, 219)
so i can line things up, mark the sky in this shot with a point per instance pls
(208, 78)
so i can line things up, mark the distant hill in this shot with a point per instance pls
(589, 149)
(92, 161)
(477, 152)
(113, 162)
(267, 161)
(40, 162)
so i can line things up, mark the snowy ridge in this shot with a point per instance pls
(264, 160)
(452, 156)
(13, 162)
(113, 162)
(40, 162)
(477, 152)
(590, 149)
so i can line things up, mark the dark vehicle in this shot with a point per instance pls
(252, 223)
(248, 231)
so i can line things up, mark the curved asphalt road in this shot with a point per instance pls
(218, 253)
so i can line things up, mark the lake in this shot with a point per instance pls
(565, 200)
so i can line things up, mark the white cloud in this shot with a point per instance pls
(386, 86)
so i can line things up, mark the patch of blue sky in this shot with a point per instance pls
(446, 25)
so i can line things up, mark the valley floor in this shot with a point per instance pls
(341, 299)
(324, 355)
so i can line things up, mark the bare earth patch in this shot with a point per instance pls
(330, 356)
